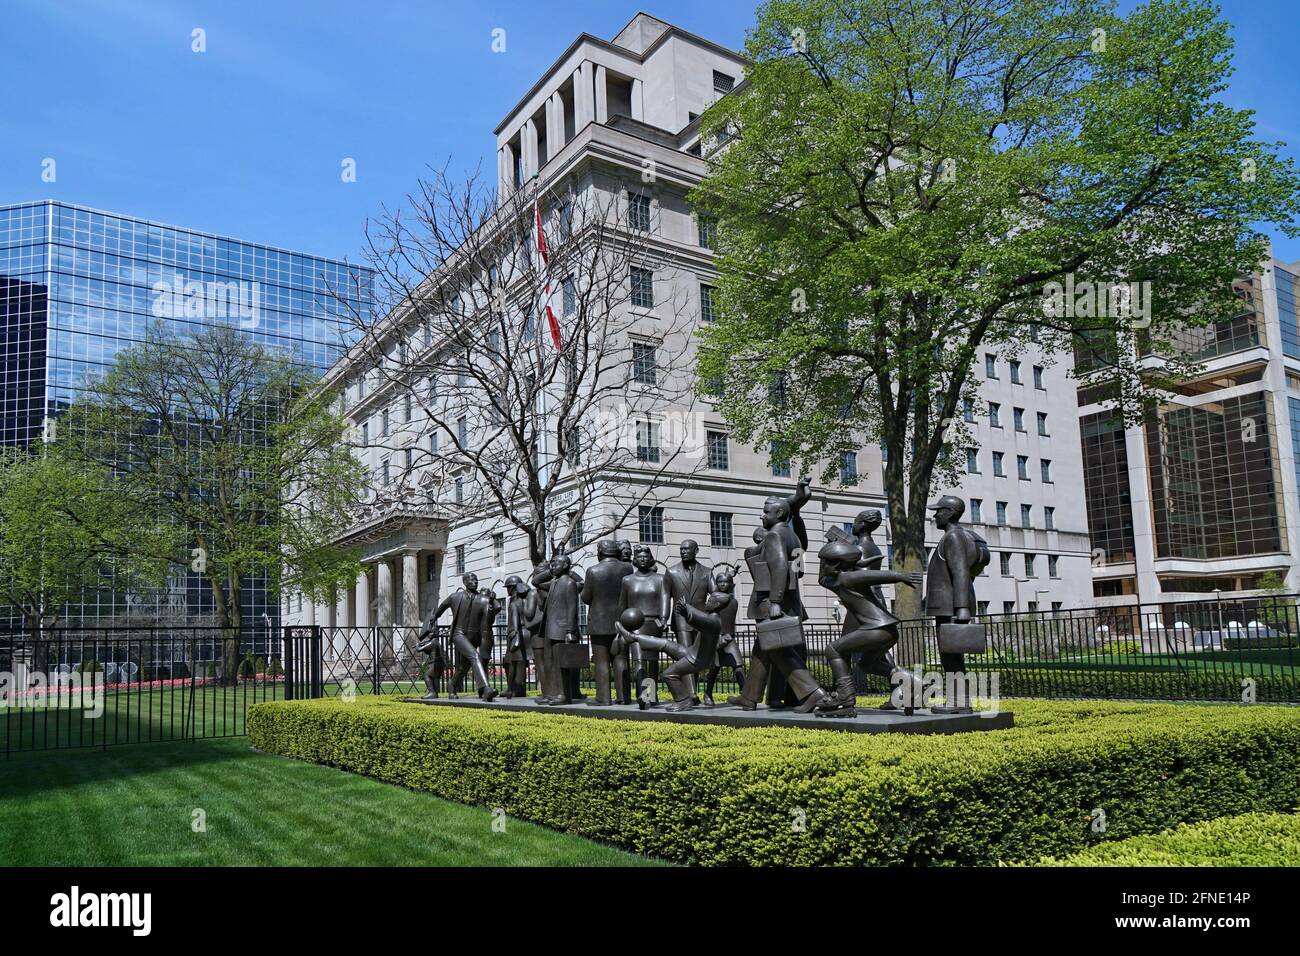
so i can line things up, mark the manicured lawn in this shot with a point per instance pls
(135, 806)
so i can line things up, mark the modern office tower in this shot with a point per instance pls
(1205, 495)
(603, 114)
(78, 285)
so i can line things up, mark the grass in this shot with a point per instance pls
(135, 806)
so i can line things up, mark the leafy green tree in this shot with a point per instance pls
(898, 185)
(232, 443)
(66, 527)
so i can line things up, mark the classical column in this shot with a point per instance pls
(411, 588)
(308, 611)
(638, 108)
(602, 96)
(384, 582)
(348, 608)
(505, 171)
(584, 110)
(363, 599)
(528, 140)
(554, 125)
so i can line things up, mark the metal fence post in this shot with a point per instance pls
(288, 663)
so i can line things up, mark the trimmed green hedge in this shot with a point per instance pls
(720, 795)
(1252, 839)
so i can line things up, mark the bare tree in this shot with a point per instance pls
(531, 362)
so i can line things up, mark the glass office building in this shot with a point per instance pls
(78, 285)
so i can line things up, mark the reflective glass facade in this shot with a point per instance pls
(79, 285)
(1106, 486)
(1214, 480)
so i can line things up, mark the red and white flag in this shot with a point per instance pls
(556, 339)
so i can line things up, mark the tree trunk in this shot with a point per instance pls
(228, 619)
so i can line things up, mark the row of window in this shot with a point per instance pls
(999, 466)
(650, 527)
(1030, 564)
(1017, 417)
(991, 371)
(1000, 515)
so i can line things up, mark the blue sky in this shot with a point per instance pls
(248, 138)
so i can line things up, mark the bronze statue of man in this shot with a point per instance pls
(468, 609)
(955, 562)
(646, 590)
(517, 637)
(534, 615)
(559, 624)
(689, 584)
(778, 562)
(600, 592)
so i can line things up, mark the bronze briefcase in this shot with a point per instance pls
(568, 656)
(963, 639)
(782, 632)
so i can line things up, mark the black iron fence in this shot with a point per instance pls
(100, 687)
(97, 687)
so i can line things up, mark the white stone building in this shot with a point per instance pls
(604, 113)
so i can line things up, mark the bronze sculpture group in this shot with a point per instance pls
(635, 613)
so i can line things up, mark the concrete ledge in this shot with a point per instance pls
(868, 720)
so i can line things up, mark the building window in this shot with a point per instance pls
(1008, 607)
(643, 288)
(577, 536)
(407, 410)
(848, 468)
(1026, 516)
(995, 415)
(1022, 467)
(1052, 561)
(433, 442)
(1004, 563)
(1038, 378)
(638, 212)
(1042, 424)
(968, 410)
(720, 535)
(1002, 512)
(1015, 372)
(383, 428)
(498, 549)
(976, 506)
(972, 462)
(1018, 418)
(780, 463)
(997, 465)
(1033, 607)
(990, 366)
(569, 296)
(460, 490)
(1029, 564)
(566, 221)
(365, 434)
(647, 442)
(460, 559)
(644, 363)
(1057, 605)
(981, 608)
(706, 304)
(409, 461)
(1049, 517)
(719, 453)
(387, 472)
(708, 230)
(650, 525)
(723, 83)
(462, 431)
(1045, 469)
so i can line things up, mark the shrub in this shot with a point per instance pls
(274, 669)
(1252, 839)
(722, 795)
(259, 665)
(247, 668)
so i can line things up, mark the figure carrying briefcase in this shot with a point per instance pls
(570, 656)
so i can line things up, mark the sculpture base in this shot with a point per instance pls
(868, 719)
